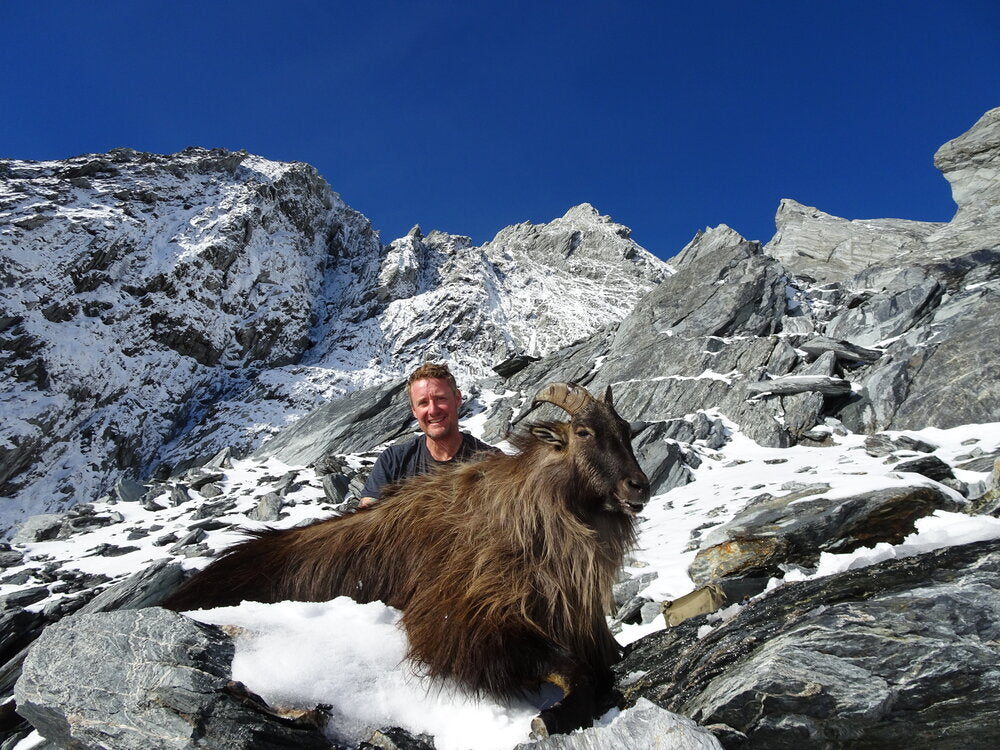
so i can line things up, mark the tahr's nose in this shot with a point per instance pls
(636, 489)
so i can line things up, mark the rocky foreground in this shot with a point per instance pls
(859, 359)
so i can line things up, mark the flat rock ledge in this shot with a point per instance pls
(150, 679)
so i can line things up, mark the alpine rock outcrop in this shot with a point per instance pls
(158, 308)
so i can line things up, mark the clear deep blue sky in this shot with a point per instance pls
(469, 116)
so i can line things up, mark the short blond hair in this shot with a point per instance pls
(431, 371)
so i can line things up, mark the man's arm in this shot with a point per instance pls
(387, 469)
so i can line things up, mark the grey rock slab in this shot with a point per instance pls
(38, 528)
(626, 590)
(662, 460)
(971, 163)
(733, 290)
(148, 679)
(267, 508)
(335, 487)
(642, 726)
(128, 490)
(931, 467)
(791, 384)
(358, 422)
(145, 588)
(797, 527)
(903, 649)
(811, 242)
(845, 351)
(887, 314)
(10, 557)
(942, 373)
(23, 597)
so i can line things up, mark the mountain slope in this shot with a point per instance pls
(158, 308)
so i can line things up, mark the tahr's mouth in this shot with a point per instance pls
(628, 507)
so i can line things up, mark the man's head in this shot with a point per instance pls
(434, 400)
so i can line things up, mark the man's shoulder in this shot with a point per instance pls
(400, 451)
(472, 444)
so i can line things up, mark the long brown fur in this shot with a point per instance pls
(502, 567)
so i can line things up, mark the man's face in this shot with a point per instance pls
(435, 406)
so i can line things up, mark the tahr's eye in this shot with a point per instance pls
(583, 432)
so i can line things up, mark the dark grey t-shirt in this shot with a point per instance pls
(398, 462)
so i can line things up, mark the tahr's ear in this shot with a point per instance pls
(608, 398)
(549, 434)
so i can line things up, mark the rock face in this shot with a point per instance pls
(903, 648)
(218, 295)
(136, 289)
(971, 163)
(829, 248)
(165, 679)
(925, 294)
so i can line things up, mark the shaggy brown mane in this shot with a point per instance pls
(502, 567)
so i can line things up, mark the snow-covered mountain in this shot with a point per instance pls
(819, 419)
(158, 308)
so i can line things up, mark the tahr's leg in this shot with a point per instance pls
(584, 696)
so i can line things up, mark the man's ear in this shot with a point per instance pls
(550, 434)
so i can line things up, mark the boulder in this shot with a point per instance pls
(662, 460)
(267, 508)
(148, 679)
(642, 725)
(145, 588)
(905, 648)
(39, 528)
(795, 528)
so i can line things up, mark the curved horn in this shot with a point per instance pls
(568, 396)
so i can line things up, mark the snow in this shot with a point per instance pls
(352, 656)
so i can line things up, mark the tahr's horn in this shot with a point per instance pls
(568, 396)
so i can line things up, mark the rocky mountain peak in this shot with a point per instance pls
(709, 241)
(827, 248)
(586, 212)
(971, 163)
(140, 287)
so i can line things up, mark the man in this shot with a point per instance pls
(435, 401)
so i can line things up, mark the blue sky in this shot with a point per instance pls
(469, 116)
